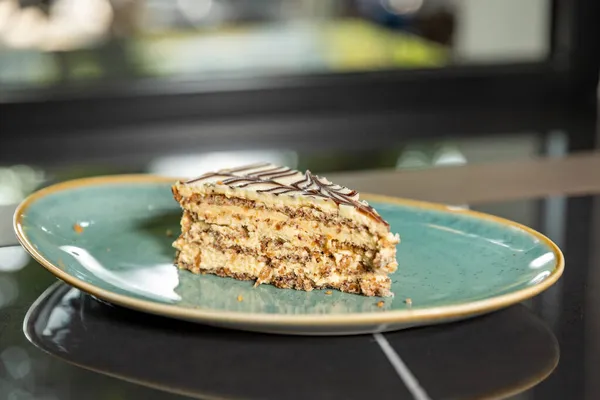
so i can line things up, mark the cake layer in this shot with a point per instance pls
(236, 205)
(275, 223)
(309, 245)
(281, 273)
(311, 263)
(268, 193)
(341, 262)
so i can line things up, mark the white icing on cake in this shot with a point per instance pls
(276, 180)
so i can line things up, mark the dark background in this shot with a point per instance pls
(310, 77)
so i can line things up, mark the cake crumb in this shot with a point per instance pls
(169, 233)
(408, 301)
(240, 298)
(78, 228)
(328, 292)
(380, 303)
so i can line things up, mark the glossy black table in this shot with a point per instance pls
(59, 343)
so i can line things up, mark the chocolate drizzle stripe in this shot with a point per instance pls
(283, 174)
(248, 167)
(204, 177)
(333, 191)
(308, 185)
(278, 190)
(270, 172)
(229, 172)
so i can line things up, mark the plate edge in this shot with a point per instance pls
(383, 317)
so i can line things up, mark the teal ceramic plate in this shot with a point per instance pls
(111, 237)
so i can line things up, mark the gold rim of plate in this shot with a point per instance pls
(375, 317)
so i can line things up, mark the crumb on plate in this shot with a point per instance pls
(408, 301)
(328, 292)
(380, 303)
(169, 233)
(78, 228)
(240, 298)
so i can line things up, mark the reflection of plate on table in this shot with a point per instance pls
(496, 355)
(454, 264)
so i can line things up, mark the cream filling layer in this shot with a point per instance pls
(277, 201)
(276, 224)
(312, 247)
(210, 259)
(378, 253)
(344, 262)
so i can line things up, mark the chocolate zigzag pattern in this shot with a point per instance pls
(307, 184)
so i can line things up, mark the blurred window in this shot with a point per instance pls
(58, 43)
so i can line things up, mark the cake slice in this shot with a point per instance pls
(278, 226)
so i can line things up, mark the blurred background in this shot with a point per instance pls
(176, 87)
(172, 87)
(179, 87)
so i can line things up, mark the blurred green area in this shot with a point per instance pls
(334, 46)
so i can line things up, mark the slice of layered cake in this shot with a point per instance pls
(282, 227)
